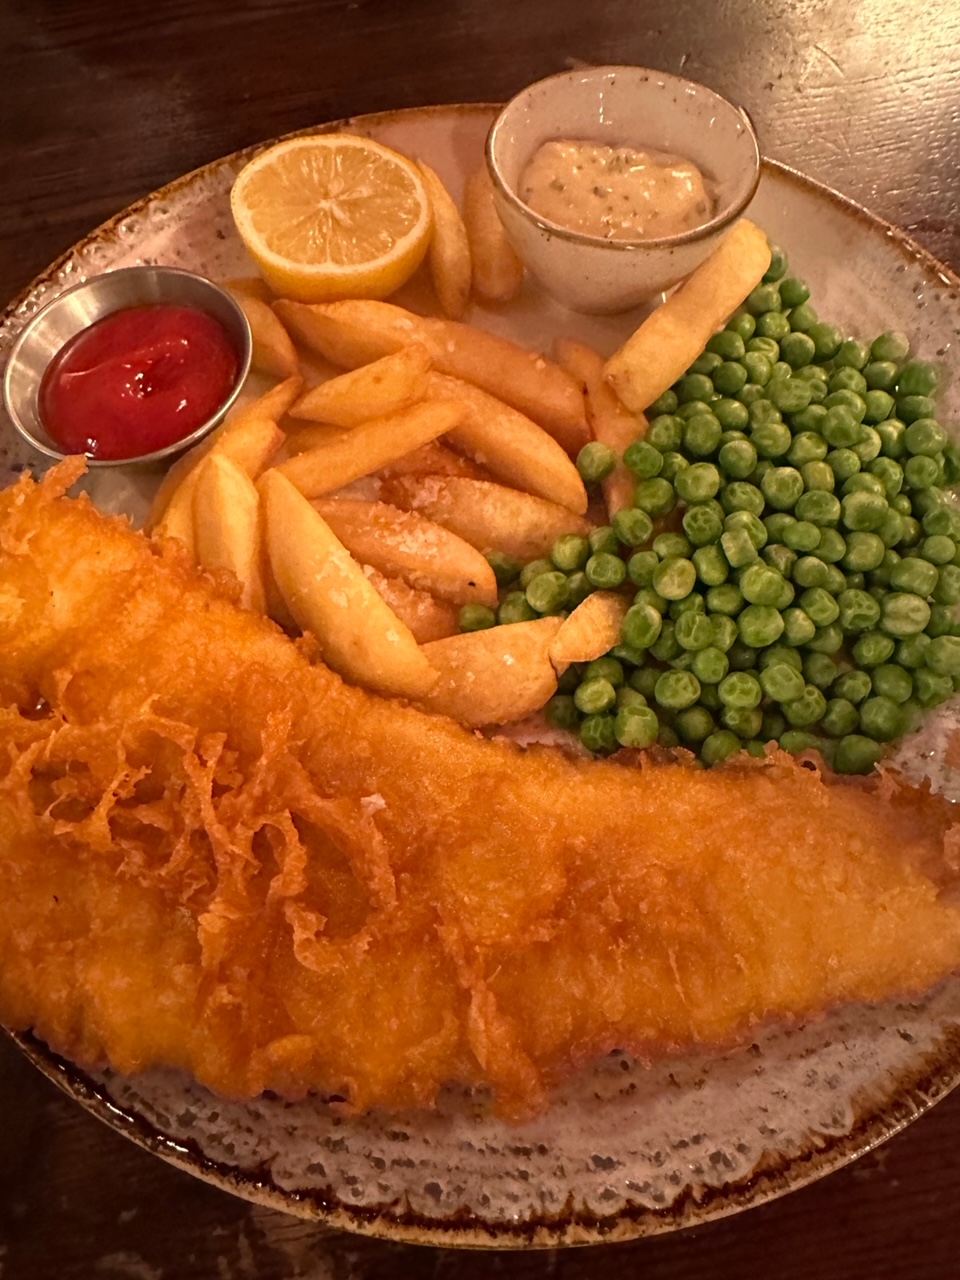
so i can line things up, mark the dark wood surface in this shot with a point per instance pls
(103, 102)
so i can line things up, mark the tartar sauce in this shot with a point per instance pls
(618, 193)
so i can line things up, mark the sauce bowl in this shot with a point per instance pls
(81, 306)
(620, 106)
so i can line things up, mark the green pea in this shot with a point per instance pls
(903, 613)
(665, 432)
(643, 459)
(947, 590)
(803, 318)
(740, 495)
(604, 571)
(802, 535)
(848, 379)
(844, 463)
(745, 722)
(925, 436)
(655, 496)
(789, 394)
(797, 348)
(809, 571)
(893, 682)
(731, 414)
(706, 363)
(628, 697)
(880, 405)
(820, 670)
(673, 464)
(710, 563)
(737, 459)
(819, 606)
(891, 432)
(943, 656)
(730, 377)
(632, 526)
(818, 507)
(873, 648)
(881, 375)
(891, 345)
(773, 324)
(940, 518)
(698, 482)
(476, 617)
(826, 340)
(548, 592)
(702, 524)
(505, 568)
(759, 625)
(917, 378)
(724, 632)
(938, 549)
(570, 552)
(914, 574)
(941, 622)
(636, 726)
(516, 608)
(641, 626)
(664, 404)
(889, 473)
(603, 538)
(782, 486)
(841, 717)
(856, 754)
(807, 446)
(598, 734)
(832, 548)
(710, 664)
(859, 611)
(701, 434)
(676, 690)
(853, 686)
(868, 446)
(533, 569)
(807, 709)
(579, 587)
(758, 367)
(760, 584)
(595, 696)
(595, 461)
(694, 386)
(727, 344)
(881, 719)
(676, 577)
(910, 408)
(798, 627)
(644, 680)
(782, 682)
(930, 689)
(852, 354)
(719, 746)
(562, 713)
(694, 724)
(694, 631)
(779, 557)
(911, 651)
(771, 439)
(742, 657)
(725, 598)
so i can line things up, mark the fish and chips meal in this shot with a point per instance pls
(464, 713)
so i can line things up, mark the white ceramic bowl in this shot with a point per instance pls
(76, 309)
(620, 106)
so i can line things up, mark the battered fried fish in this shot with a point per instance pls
(215, 855)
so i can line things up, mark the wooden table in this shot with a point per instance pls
(103, 103)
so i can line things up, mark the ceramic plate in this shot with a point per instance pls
(623, 1151)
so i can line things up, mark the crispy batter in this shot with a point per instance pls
(216, 855)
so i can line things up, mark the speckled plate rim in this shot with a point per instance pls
(911, 1094)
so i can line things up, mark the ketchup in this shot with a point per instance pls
(137, 380)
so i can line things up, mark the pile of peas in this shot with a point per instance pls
(791, 553)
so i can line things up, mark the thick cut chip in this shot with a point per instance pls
(349, 455)
(427, 617)
(488, 516)
(497, 271)
(495, 676)
(591, 630)
(387, 385)
(449, 254)
(227, 526)
(328, 594)
(672, 337)
(272, 351)
(509, 444)
(402, 544)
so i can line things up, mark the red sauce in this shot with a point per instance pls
(137, 380)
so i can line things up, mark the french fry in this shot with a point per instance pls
(353, 333)
(493, 676)
(609, 421)
(372, 391)
(250, 287)
(509, 445)
(427, 617)
(448, 256)
(591, 630)
(497, 271)
(488, 516)
(226, 524)
(672, 337)
(273, 353)
(364, 449)
(402, 544)
(250, 442)
(329, 595)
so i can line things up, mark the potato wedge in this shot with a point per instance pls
(434, 459)
(493, 676)
(591, 630)
(509, 445)
(272, 405)
(272, 351)
(356, 332)
(609, 421)
(175, 520)
(402, 544)
(427, 617)
(374, 390)
(488, 516)
(250, 442)
(356, 453)
(672, 337)
(497, 271)
(226, 524)
(328, 593)
(448, 256)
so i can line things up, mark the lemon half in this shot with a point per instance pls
(332, 216)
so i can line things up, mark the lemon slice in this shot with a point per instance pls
(332, 216)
